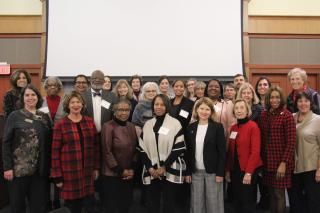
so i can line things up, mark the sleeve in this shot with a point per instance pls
(136, 116)
(107, 148)
(8, 137)
(8, 104)
(221, 149)
(97, 148)
(178, 148)
(189, 153)
(143, 155)
(231, 119)
(57, 144)
(255, 144)
(290, 137)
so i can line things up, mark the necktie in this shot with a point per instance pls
(96, 94)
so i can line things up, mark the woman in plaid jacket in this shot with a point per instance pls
(75, 154)
(278, 144)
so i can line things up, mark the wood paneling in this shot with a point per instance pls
(20, 24)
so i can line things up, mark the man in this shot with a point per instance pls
(81, 83)
(229, 92)
(238, 80)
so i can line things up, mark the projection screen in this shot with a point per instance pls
(146, 37)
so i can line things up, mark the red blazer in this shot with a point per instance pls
(248, 146)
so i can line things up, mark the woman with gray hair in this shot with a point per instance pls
(298, 80)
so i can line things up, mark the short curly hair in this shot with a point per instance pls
(67, 99)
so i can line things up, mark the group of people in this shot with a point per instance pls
(100, 139)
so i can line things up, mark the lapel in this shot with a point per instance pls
(206, 138)
(88, 98)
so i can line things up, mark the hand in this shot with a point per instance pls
(59, 185)
(219, 179)
(8, 175)
(153, 173)
(127, 174)
(227, 177)
(247, 179)
(95, 174)
(318, 175)
(188, 179)
(281, 171)
(161, 171)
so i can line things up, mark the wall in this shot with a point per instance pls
(20, 7)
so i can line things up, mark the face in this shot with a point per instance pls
(296, 81)
(230, 93)
(247, 95)
(178, 88)
(164, 86)
(107, 84)
(159, 107)
(190, 86)
(199, 91)
(22, 80)
(97, 80)
(52, 87)
(75, 105)
(238, 81)
(122, 112)
(275, 99)
(263, 87)
(150, 93)
(122, 90)
(30, 99)
(304, 105)
(214, 90)
(240, 110)
(81, 84)
(135, 84)
(204, 112)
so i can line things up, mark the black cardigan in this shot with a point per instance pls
(186, 105)
(214, 148)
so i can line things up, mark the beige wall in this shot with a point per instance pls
(284, 7)
(20, 7)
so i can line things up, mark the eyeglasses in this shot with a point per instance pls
(81, 82)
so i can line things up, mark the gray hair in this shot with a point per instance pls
(301, 72)
(56, 79)
(146, 86)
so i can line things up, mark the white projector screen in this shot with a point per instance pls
(145, 37)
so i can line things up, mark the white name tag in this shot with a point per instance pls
(184, 113)
(233, 135)
(216, 108)
(163, 130)
(44, 109)
(105, 104)
(28, 120)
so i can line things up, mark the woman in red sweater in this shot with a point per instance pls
(243, 157)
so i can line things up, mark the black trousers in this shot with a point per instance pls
(304, 195)
(118, 194)
(243, 197)
(34, 188)
(76, 205)
(154, 192)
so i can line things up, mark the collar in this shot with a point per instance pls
(119, 122)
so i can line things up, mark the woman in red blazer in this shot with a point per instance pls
(243, 157)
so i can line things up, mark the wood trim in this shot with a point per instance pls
(284, 36)
(25, 66)
(283, 66)
(23, 35)
(20, 24)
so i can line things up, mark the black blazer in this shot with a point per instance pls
(106, 114)
(186, 105)
(214, 148)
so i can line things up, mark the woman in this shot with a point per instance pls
(298, 80)
(107, 83)
(75, 155)
(164, 86)
(305, 191)
(206, 153)
(161, 146)
(123, 89)
(190, 92)
(243, 157)
(136, 84)
(118, 148)
(247, 93)
(278, 144)
(26, 154)
(18, 80)
(199, 89)
(181, 107)
(262, 86)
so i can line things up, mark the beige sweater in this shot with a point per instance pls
(307, 152)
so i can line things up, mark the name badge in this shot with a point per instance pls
(233, 135)
(216, 108)
(105, 104)
(163, 131)
(44, 109)
(28, 120)
(184, 113)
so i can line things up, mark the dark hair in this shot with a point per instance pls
(238, 75)
(136, 77)
(282, 97)
(165, 100)
(120, 101)
(220, 85)
(35, 90)
(256, 87)
(80, 76)
(175, 81)
(108, 76)
(15, 76)
(300, 95)
(68, 97)
(162, 77)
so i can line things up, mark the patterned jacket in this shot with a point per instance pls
(72, 164)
